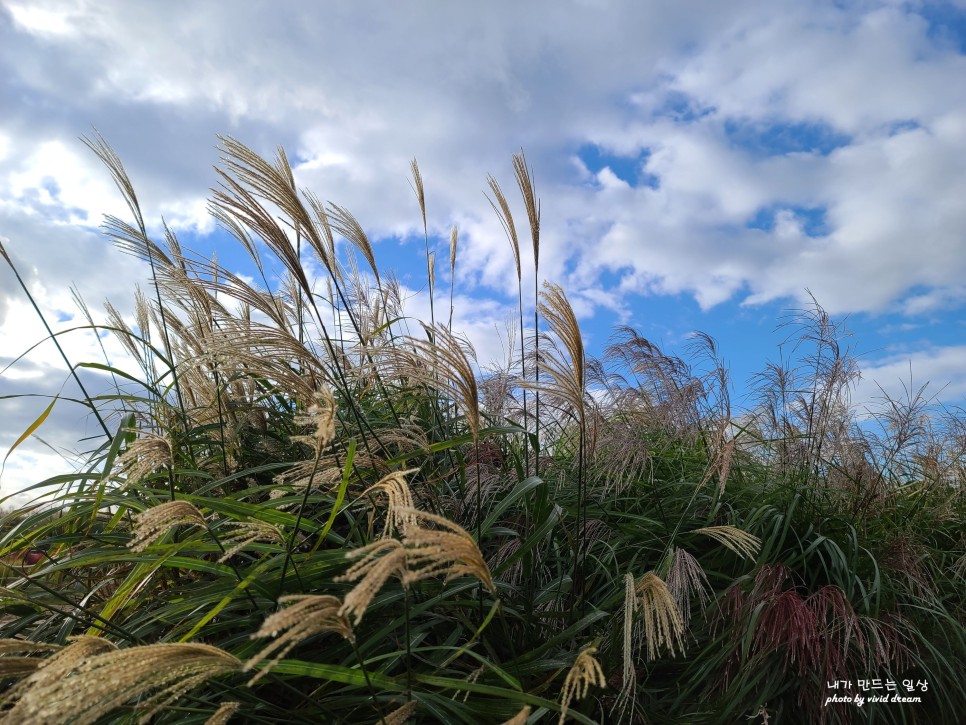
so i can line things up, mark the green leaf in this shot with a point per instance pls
(30, 429)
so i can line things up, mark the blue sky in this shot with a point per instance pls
(700, 164)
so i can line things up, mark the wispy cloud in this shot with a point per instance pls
(731, 153)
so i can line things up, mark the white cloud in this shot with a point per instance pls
(939, 367)
(697, 85)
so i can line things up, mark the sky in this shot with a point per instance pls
(701, 165)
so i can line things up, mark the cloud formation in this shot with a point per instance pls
(731, 152)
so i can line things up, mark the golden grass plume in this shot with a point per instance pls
(586, 671)
(741, 542)
(305, 616)
(663, 625)
(153, 523)
(152, 676)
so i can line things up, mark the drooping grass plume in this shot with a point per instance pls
(377, 561)
(56, 668)
(16, 659)
(741, 542)
(242, 533)
(399, 516)
(320, 416)
(305, 615)
(150, 453)
(154, 523)
(662, 624)
(447, 550)
(686, 578)
(584, 673)
(149, 676)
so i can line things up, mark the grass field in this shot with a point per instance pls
(307, 508)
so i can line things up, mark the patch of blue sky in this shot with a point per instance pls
(681, 108)
(946, 24)
(813, 219)
(780, 138)
(629, 169)
(897, 127)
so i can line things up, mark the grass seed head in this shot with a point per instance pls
(377, 562)
(741, 542)
(152, 676)
(448, 550)
(586, 671)
(663, 625)
(305, 616)
(157, 520)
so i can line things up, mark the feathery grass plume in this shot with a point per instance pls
(344, 223)
(21, 646)
(532, 204)
(568, 374)
(400, 715)
(741, 542)
(243, 533)
(520, 718)
(453, 239)
(568, 382)
(307, 615)
(586, 671)
(321, 416)
(149, 453)
(662, 622)
(15, 659)
(377, 562)
(18, 665)
(153, 523)
(628, 673)
(417, 187)
(685, 578)
(152, 676)
(57, 667)
(506, 219)
(400, 499)
(223, 714)
(443, 360)
(448, 550)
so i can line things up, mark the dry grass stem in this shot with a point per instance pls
(401, 714)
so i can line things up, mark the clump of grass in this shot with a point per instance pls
(317, 464)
